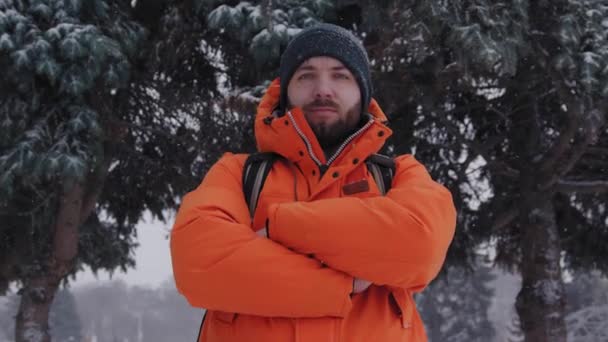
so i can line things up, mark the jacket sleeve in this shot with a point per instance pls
(219, 263)
(400, 239)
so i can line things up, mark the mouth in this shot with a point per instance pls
(320, 110)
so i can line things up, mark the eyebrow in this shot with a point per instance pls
(312, 68)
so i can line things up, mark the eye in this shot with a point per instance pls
(305, 76)
(341, 76)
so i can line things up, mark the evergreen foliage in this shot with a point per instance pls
(59, 59)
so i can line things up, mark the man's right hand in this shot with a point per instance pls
(360, 285)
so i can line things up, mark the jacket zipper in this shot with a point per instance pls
(323, 168)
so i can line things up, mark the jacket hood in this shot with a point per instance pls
(283, 135)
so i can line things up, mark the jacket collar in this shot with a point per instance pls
(284, 134)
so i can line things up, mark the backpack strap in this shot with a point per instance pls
(257, 167)
(383, 169)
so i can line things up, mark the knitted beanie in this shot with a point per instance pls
(331, 41)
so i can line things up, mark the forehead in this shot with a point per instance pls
(321, 62)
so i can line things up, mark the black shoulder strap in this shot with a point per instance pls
(383, 169)
(257, 167)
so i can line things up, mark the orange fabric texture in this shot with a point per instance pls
(295, 285)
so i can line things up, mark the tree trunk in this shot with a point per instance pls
(38, 291)
(33, 316)
(76, 205)
(540, 302)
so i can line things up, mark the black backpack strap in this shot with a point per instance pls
(383, 170)
(257, 167)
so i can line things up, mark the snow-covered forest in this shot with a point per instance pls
(111, 109)
(462, 309)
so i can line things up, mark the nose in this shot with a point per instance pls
(323, 89)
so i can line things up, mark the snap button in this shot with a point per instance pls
(381, 133)
(335, 175)
(356, 160)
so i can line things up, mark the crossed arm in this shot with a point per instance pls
(219, 263)
(398, 240)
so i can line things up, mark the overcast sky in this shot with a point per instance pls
(152, 257)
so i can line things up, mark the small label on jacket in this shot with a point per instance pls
(356, 187)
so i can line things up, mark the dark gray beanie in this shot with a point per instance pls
(332, 41)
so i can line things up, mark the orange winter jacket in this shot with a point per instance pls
(324, 231)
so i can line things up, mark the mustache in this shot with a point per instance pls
(320, 103)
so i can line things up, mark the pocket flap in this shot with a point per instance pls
(226, 317)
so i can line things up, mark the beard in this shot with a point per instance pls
(331, 134)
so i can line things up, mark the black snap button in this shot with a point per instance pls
(301, 153)
(286, 123)
(335, 175)
(381, 133)
(356, 160)
(314, 172)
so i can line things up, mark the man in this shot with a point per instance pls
(326, 256)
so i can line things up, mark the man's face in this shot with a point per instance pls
(329, 96)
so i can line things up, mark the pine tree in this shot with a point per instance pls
(59, 59)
